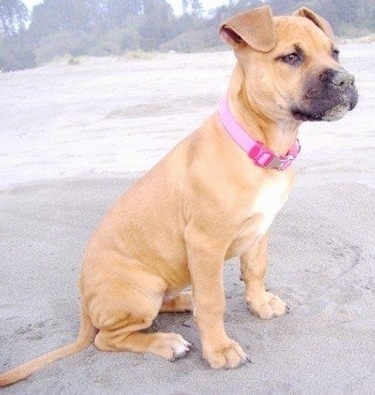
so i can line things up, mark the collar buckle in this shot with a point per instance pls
(268, 159)
(280, 163)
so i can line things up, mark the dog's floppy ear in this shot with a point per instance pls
(318, 20)
(254, 28)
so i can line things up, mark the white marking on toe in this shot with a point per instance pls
(182, 349)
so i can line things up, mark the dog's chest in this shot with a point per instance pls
(259, 216)
(270, 200)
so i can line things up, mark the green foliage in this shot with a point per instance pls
(104, 27)
(348, 18)
(118, 12)
(14, 55)
(116, 42)
(192, 7)
(13, 15)
(56, 16)
(138, 54)
(192, 41)
(156, 27)
(62, 43)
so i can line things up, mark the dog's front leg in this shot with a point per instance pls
(206, 261)
(253, 270)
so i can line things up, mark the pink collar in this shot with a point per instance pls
(256, 150)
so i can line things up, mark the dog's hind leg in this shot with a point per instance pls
(122, 312)
(180, 303)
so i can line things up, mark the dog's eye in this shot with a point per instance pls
(292, 59)
(335, 54)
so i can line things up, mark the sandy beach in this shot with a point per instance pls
(75, 137)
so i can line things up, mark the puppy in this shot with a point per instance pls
(210, 199)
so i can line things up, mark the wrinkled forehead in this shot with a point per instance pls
(292, 30)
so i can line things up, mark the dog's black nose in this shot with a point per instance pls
(337, 77)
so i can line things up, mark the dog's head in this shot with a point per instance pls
(291, 65)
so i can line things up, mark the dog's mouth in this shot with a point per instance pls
(332, 114)
(327, 98)
(302, 115)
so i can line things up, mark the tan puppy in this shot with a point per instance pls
(208, 201)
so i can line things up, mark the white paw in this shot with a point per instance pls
(170, 346)
(181, 349)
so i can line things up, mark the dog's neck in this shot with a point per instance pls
(256, 150)
(277, 135)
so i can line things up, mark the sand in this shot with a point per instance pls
(74, 137)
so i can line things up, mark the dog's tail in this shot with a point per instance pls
(86, 337)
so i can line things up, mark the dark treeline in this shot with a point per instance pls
(104, 27)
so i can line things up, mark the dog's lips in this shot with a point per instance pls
(329, 105)
(333, 114)
(303, 115)
(336, 112)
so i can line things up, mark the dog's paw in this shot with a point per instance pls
(170, 346)
(267, 307)
(229, 357)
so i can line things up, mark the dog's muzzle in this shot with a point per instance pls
(328, 96)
